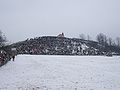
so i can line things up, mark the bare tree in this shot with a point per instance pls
(88, 37)
(110, 41)
(118, 41)
(2, 39)
(102, 39)
(82, 36)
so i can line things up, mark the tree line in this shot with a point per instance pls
(102, 39)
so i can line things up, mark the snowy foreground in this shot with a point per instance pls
(30, 72)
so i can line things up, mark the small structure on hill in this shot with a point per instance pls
(61, 35)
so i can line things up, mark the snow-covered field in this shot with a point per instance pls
(37, 72)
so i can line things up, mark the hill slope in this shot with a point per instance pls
(60, 46)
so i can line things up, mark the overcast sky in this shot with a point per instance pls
(21, 19)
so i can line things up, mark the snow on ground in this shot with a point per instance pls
(44, 72)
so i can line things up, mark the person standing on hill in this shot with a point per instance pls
(13, 56)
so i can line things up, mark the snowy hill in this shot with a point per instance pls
(56, 46)
(37, 72)
(49, 45)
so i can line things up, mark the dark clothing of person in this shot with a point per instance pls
(13, 57)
